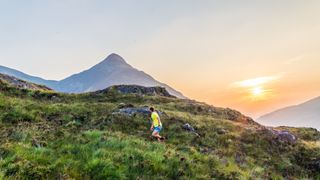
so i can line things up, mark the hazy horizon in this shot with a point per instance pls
(252, 56)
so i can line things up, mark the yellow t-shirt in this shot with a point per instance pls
(156, 119)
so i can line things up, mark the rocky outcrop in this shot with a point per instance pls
(133, 111)
(129, 110)
(20, 84)
(234, 115)
(140, 90)
(283, 136)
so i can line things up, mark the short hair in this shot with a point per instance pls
(152, 109)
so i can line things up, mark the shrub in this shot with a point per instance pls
(17, 115)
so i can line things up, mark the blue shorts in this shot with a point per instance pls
(157, 129)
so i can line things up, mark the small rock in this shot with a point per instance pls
(188, 127)
(239, 158)
(224, 162)
(123, 105)
(205, 150)
(221, 131)
(315, 165)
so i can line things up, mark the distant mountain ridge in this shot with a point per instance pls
(113, 70)
(303, 115)
(20, 84)
(26, 77)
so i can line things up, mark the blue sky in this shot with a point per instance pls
(200, 47)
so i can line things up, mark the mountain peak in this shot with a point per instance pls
(111, 62)
(114, 55)
(114, 58)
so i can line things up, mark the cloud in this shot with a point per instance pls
(294, 59)
(255, 81)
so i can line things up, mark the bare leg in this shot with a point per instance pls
(156, 135)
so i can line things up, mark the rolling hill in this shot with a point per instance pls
(303, 115)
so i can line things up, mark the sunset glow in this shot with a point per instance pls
(257, 91)
(254, 89)
(256, 81)
(254, 56)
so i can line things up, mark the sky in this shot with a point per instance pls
(253, 56)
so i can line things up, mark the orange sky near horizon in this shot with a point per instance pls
(260, 95)
(206, 56)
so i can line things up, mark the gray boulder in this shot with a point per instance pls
(189, 128)
(284, 136)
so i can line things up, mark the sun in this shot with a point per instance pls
(257, 91)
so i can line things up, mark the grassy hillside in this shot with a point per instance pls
(47, 135)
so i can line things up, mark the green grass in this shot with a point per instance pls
(47, 135)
